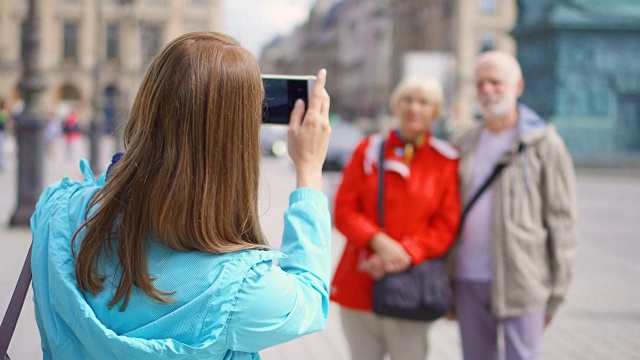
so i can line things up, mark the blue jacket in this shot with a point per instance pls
(227, 306)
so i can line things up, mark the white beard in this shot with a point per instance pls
(496, 107)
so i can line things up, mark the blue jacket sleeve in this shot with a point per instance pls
(278, 303)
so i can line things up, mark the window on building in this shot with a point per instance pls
(151, 39)
(487, 42)
(69, 92)
(113, 42)
(70, 41)
(23, 32)
(488, 7)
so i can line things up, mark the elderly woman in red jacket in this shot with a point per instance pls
(420, 219)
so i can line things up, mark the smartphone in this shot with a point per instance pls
(281, 93)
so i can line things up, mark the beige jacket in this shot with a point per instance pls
(534, 218)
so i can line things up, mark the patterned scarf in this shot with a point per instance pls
(405, 150)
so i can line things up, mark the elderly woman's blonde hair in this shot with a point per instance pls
(428, 86)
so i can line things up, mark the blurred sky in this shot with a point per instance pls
(256, 22)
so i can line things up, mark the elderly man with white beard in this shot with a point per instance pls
(512, 263)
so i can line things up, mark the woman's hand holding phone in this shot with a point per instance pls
(309, 135)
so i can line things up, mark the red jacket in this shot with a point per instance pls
(422, 209)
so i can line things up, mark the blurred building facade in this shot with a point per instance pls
(366, 46)
(130, 33)
(580, 62)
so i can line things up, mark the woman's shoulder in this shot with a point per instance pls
(60, 210)
(444, 149)
(255, 256)
(61, 192)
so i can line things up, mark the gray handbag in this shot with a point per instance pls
(420, 293)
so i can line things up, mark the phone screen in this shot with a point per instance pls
(279, 97)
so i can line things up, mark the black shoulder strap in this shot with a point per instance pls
(381, 185)
(494, 174)
(15, 306)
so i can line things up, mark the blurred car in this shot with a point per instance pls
(273, 140)
(344, 140)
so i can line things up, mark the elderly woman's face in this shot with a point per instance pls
(416, 114)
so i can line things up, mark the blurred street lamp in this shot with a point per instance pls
(30, 123)
(96, 125)
(130, 27)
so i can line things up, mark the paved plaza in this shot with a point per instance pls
(601, 319)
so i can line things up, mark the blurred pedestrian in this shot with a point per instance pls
(52, 131)
(164, 256)
(512, 265)
(109, 113)
(72, 134)
(5, 118)
(420, 220)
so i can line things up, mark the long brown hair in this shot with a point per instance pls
(190, 172)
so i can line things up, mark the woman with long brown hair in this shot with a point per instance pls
(165, 257)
